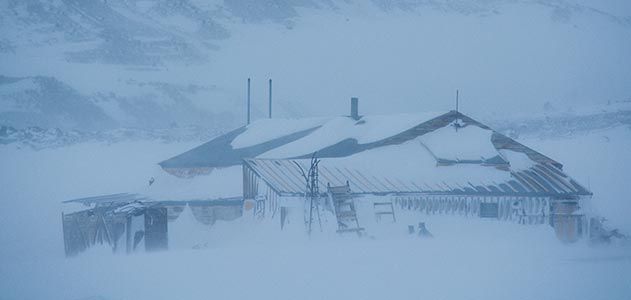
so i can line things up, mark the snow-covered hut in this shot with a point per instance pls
(433, 163)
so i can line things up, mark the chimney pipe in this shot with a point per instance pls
(248, 101)
(355, 108)
(270, 98)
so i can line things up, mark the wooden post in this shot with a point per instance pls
(128, 240)
(63, 229)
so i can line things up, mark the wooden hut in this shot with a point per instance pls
(428, 162)
(131, 222)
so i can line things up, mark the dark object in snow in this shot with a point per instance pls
(200, 246)
(151, 181)
(423, 232)
(599, 234)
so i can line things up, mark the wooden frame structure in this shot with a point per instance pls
(131, 222)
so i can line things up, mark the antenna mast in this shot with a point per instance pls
(270, 98)
(312, 192)
(248, 101)
(457, 100)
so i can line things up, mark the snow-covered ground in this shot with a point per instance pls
(509, 262)
(468, 257)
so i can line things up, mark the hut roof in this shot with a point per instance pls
(344, 136)
(113, 200)
(410, 169)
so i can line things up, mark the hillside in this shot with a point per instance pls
(155, 64)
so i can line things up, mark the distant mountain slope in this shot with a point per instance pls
(120, 32)
(46, 102)
(559, 124)
(156, 63)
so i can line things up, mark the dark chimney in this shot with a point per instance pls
(355, 108)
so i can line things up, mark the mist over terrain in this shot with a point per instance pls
(159, 64)
(94, 94)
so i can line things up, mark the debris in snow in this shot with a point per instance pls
(423, 232)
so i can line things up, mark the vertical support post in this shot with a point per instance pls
(248, 101)
(270, 98)
(63, 230)
(128, 238)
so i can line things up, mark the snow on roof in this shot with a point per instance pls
(218, 184)
(367, 130)
(372, 172)
(411, 168)
(518, 160)
(458, 142)
(411, 162)
(416, 152)
(220, 153)
(283, 138)
(264, 130)
(120, 197)
(526, 183)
